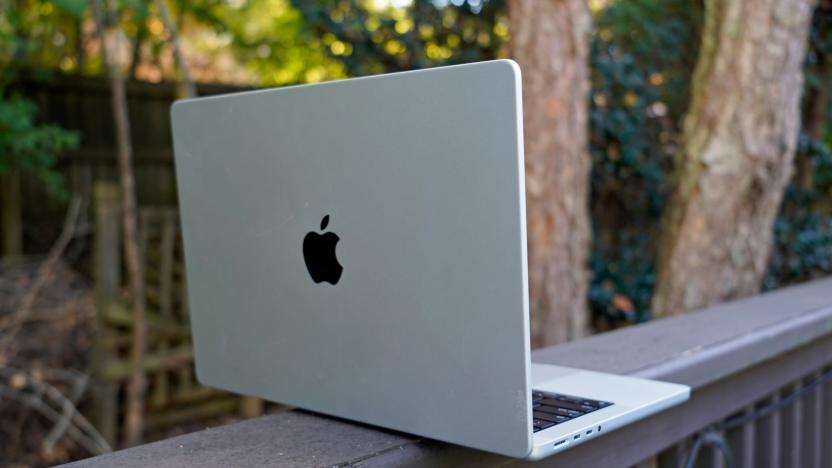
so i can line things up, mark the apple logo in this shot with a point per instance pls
(319, 255)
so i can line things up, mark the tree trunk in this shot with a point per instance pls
(134, 414)
(551, 40)
(80, 52)
(136, 52)
(738, 146)
(185, 81)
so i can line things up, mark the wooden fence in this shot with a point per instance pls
(173, 396)
(82, 104)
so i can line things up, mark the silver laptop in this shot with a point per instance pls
(358, 248)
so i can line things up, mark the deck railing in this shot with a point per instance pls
(762, 397)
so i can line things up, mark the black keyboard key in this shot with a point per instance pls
(549, 417)
(565, 404)
(569, 399)
(560, 411)
(596, 404)
(551, 408)
(542, 424)
(582, 401)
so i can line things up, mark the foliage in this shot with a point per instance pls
(252, 41)
(28, 146)
(45, 33)
(24, 144)
(639, 92)
(642, 59)
(268, 37)
(819, 53)
(803, 229)
(367, 40)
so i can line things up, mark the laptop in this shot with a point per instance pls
(358, 248)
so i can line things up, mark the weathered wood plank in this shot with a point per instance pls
(161, 382)
(185, 374)
(793, 429)
(701, 347)
(746, 453)
(813, 436)
(768, 438)
(107, 285)
(164, 360)
(294, 438)
(827, 422)
(210, 409)
(717, 458)
(119, 315)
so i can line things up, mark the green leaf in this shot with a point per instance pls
(76, 8)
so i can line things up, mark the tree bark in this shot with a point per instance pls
(188, 86)
(738, 145)
(551, 40)
(80, 52)
(134, 414)
(136, 52)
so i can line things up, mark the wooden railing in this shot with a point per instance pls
(173, 395)
(759, 368)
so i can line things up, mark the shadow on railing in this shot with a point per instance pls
(760, 371)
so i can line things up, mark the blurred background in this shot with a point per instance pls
(678, 155)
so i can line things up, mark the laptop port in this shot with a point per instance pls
(589, 432)
(577, 436)
(560, 442)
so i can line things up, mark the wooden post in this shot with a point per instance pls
(185, 373)
(12, 224)
(161, 384)
(107, 285)
(134, 412)
(251, 407)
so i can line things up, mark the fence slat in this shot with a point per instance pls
(166, 264)
(769, 437)
(746, 453)
(827, 422)
(161, 381)
(812, 427)
(717, 459)
(185, 374)
(107, 284)
(793, 429)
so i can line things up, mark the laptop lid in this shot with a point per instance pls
(358, 248)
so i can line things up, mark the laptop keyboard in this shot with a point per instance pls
(549, 409)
